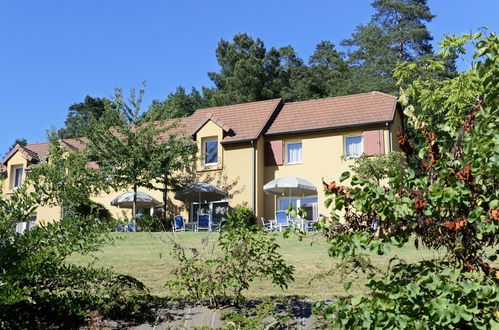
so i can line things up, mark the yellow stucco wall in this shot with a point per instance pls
(321, 158)
(234, 170)
(44, 214)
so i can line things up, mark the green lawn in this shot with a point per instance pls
(146, 256)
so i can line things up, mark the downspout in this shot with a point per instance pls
(254, 175)
(389, 138)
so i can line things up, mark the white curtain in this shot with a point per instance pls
(294, 152)
(354, 146)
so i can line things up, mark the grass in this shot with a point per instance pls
(146, 256)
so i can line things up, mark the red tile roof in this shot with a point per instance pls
(334, 112)
(246, 120)
(38, 151)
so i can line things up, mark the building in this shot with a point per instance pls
(244, 146)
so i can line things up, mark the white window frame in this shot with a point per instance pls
(205, 141)
(348, 156)
(286, 152)
(14, 176)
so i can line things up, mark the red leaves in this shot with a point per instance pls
(428, 221)
(465, 174)
(485, 267)
(420, 203)
(468, 122)
(332, 187)
(494, 214)
(404, 144)
(469, 266)
(456, 225)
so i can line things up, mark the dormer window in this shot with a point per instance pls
(210, 149)
(17, 179)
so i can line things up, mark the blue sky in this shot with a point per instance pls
(54, 53)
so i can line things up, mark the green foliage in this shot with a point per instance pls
(241, 216)
(37, 287)
(450, 202)
(154, 223)
(80, 117)
(176, 105)
(64, 179)
(248, 72)
(22, 142)
(327, 75)
(430, 294)
(245, 254)
(379, 167)
(136, 154)
(265, 315)
(396, 32)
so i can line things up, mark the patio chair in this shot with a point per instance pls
(178, 223)
(267, 225)
(281, 220)
(204, 222)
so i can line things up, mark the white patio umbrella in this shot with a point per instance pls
(200, 191)
(143, 200)
(290, 185)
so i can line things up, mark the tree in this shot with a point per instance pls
(326, 76)
(248, 72)
(64, 178)
(39, 287)
(176, 105)
(80, 117)
(137, 154)
(22, 142)
(396, 32)
(451, 203)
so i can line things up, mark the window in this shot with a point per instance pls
(210, 152)
(216, 210)
(17, 179)
(353, 146)
(307, 203)
(293, 153)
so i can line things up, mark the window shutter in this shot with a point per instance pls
(273, 153)
(374, 142)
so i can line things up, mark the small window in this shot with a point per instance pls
(293, 153)
(17, 180)
(211, 152)
(353, 146)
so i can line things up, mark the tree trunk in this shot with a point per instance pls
(134, 203)
(165, 195)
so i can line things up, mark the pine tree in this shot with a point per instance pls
(248, 72)
(396, 32)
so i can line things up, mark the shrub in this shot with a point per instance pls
(38, 288)
(154, 223)
(241, 216)
(448, 199)
(244, 254)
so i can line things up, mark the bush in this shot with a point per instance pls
(448, 199)
(245, 254)
(241, 216)
(38, 288)
(153, 223)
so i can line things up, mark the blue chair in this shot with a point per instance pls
(204, 222)
(178, 223)
(282, 220)
(267, 225)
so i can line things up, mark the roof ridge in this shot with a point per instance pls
(344, 97)
(238, 104)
